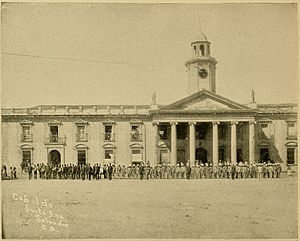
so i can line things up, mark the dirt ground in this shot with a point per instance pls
(157, 209)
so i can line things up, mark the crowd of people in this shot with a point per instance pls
(141, 171)
(8, 174)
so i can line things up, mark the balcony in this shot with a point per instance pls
(109, 137)
(136, 137)
(82, 137)
(26, 138)
(54, 139)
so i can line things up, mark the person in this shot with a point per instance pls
(141, 171)
(188, 171)
(110, 171)
(15, 172)
(30, 171)
(82, 174)
(233, 170)
(11, 173)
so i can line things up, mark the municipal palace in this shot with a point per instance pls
(204, 127)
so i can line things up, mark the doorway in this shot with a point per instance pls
(54, 158)
(201, 155)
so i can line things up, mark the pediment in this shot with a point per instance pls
(204, 101)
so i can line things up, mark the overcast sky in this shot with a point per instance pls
(95, 53)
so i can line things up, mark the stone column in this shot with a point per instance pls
(251, 142)
(173, 143)
(233, 142)
(155, 125)
(192, 143)
(215, 143)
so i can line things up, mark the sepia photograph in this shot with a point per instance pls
(149, 120)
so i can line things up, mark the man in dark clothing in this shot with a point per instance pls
(110, 171)
(233, 171)
(141, 171)
(30, 171)
(188, 171)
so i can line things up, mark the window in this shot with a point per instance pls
(109, 155)
(26, 133)
(195, 49)
(26, 157)
(136, 155)
(136, 134)
(81, 134)
(108, 133)
(291, 131)
(82, 158)
(53, 133)
(202, 50)
(264, 133)
(290, 155)
(163, 132)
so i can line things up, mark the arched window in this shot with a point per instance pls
(202, 50)
(195, 49)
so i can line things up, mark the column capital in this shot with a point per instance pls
(234, 122)
(252, 122)
(174, 123)
(155, 123)
(216, 122)
(192, 123)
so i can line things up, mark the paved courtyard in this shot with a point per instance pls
(238, 209)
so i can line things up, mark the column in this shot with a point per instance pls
(251, 142)
(173, 143)
(155, 125)
(233, 142)
(192, 143)
(215, 143)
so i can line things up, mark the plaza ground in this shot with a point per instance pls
(232, 209)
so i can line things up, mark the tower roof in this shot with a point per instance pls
(200, 37)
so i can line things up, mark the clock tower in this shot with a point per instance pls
(201, 67)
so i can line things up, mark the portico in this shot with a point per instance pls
(206, 123)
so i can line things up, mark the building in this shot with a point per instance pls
(204, 127)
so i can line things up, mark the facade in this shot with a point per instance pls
(203, 127)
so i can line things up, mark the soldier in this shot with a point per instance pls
(101, 171)
(34, 171)
(278, 170)
(82, 170)
(110, 171)
(188, 171)
(182, 171)
(29, 171)
(141, 171)
(233, 171)
(228, 170)
(210, 170)
(172, 170)
(54, 172)
(15, 173)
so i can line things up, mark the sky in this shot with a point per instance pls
(101, 53)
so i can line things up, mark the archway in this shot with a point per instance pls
(54, 158)
(264, 155)
(201, 155)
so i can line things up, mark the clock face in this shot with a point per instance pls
(203, 73)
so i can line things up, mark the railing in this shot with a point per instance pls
(291, 137)
(136, 137)
(55, 139)
(109, 137)
(26, 138)
(82, 137)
